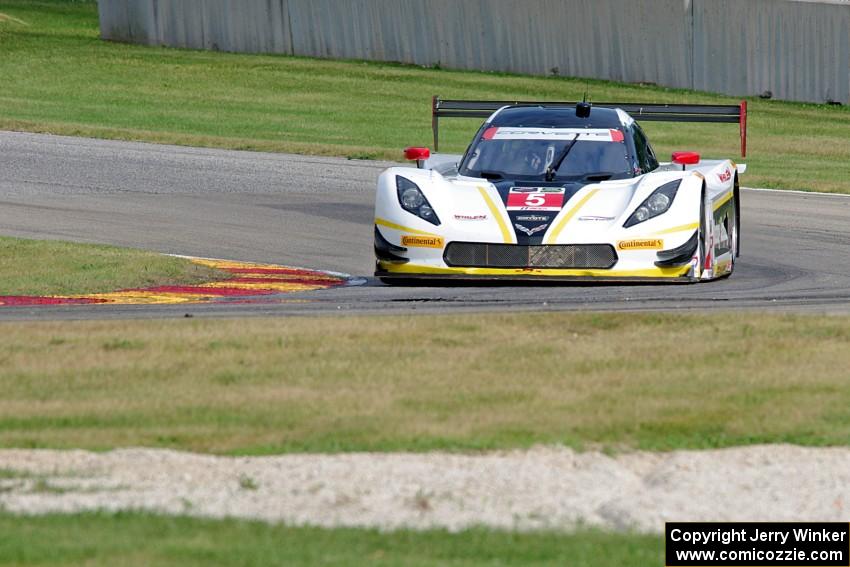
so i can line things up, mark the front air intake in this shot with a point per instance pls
(482, 255)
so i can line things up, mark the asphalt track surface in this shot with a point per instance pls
(316, 212)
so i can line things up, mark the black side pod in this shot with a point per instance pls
(384, 250)
(679, 255)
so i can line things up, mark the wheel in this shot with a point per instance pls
(703, 256)
(734, 226)
(736, 196)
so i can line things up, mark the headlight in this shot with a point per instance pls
(657, 203)
(412, 200)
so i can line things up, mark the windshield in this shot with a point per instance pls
(511, 153)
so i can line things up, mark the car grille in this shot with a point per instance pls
(477, 255)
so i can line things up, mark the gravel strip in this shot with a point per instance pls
(545, 487)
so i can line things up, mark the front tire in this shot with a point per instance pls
(703, 255)
(735, 227)
(737, 197)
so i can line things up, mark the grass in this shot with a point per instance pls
(14, 474)
(39, 267)
(59, 77)
(12, 479)
(417, 383)
(141, 539)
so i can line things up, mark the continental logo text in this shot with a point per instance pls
(641, 244)
(422, 241)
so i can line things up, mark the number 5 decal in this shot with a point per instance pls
(534, 200)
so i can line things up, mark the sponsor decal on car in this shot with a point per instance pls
(470, 217)
(641, 244)
(531, 231)
(723, 232)
(535, 198)
(422, 241)
(532, 218)
(724, 176)
(583, 134)
(594, 218)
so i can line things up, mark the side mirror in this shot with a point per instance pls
(685, 158)
(417, 154)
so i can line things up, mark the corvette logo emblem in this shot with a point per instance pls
(531, 231)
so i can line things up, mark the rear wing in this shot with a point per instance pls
(730, 113)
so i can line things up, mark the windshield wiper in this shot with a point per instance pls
(598, 176)
(553, 167)
(490, 175)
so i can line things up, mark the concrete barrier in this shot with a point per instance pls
(794, 49)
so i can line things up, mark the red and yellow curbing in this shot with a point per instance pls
(249, 283)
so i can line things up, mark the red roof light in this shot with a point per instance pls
(416, 154)
(686, 158)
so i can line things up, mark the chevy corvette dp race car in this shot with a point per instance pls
(561, 191)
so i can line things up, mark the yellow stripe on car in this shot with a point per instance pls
(497, 214)
(556, 231)
(395, 226)
(723, 201)
(680, 228)
(722, 267)
(673, 272)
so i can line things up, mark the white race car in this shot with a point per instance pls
(560, 191)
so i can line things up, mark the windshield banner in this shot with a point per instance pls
(567, 134)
